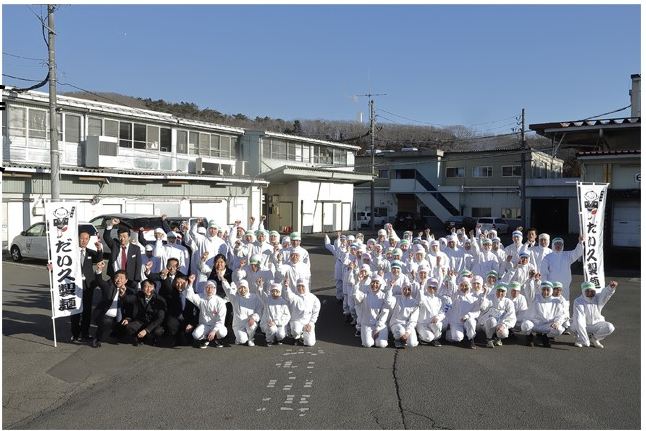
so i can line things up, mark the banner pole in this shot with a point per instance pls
(51, 285)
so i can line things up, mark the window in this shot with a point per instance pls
(182, 142)
(205, 144)
(510, 213)
(37, 124)
(482, 171)
(72, 128)
(94, 126)
(125, 135)
(480, 212)
(111, 128)
(165, 140)
(511, 171)
(193, 146)
(383, 173)
(404, 174)
(226, 151)
(140, 136)
(152, 137)
(17, 121)
(454, 172)
(278, 149)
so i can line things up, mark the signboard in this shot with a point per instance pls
(62, 238)
(592, 205)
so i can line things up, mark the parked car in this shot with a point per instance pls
(457, 222)
(497, 223)
(174, 222)
(32, 243)
(363, 219)
(408, 220)
(129, 220)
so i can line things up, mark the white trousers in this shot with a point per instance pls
(367, 340)
(298, 331)
(458, 329)
(244, 332)
(399, 330)
(429, 331)
(544, 328)
(202, 330)
(490, 327)
(599, 330)
(273, 333)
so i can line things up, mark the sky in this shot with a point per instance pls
(472, 65)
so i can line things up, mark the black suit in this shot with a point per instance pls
(133, 259)
(81, 321)
(179, 312)
(108, 291)
(146, 315)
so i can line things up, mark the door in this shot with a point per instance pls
(286, 216)
(626, 224)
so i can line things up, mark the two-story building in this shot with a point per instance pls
(118, 159)
(476, 183)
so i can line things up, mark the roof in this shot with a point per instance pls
(287, 173)
(609, 154)
(608, 133)
(306, 139)
(109, 172)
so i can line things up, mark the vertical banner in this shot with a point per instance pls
(592, 205)
(62, 240)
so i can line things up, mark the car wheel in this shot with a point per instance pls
(15, 254)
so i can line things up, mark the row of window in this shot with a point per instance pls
(280, 149)
(483, 171)
(33, 124)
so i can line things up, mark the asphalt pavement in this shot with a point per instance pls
(337, 384)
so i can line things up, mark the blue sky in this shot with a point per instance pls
(471, 65)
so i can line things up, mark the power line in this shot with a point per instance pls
(611, 112)
(24, 58)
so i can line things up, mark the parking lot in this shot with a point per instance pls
(336, 384)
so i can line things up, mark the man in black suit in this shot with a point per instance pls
(81, 321)
(124, 255)
(145, 321)
(112, 305)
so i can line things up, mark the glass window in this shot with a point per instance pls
(480, 212)
(215, 145)
(205, 145)
(17, 121)
(510, 212)
(182, 142)
(193, 145)
(165, 140)
(225, 147)
(125, 134)
(152, 137)
(383, 173)
(72, 128)
(454, 172)
(111, 128)
(482, 171)
(266, 148)
(37, 124)
(94, 126)
(140, 136)
(278, 149)
(291, 150)
(511, 171)
(307, 150)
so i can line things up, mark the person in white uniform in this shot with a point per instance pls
(587, 318)
(247, 308)
(304, 310)
(404, 317)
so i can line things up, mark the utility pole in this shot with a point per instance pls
(523, 174)
(53, 120)
(372, 157)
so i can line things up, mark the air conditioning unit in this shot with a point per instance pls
(207, 168)
(101, 152)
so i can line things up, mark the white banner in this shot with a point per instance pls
(62, 239)
(592, 205)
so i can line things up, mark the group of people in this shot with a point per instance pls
(196, 285)
(419, 289)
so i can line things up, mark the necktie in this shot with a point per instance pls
(82, 262)
(123, 258)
